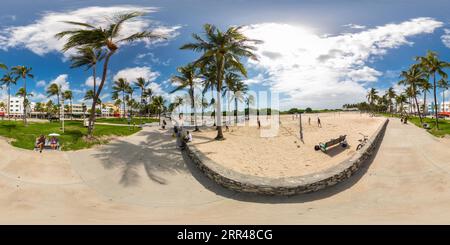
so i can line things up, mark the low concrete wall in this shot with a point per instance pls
(285, 186)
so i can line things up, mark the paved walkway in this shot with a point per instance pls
(144, 179)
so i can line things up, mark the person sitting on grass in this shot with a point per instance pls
(40, 143)
(54, 143)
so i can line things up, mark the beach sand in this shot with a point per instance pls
(285, 155)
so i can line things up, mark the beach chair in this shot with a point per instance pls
(341, 140)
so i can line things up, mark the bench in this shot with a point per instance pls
(47, 145)
(324, 146)
(53, 119)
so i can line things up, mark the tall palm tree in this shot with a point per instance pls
(390, 96)
(107, 39)
(222, 49)
(371, 97)
(142, 85)
(413, 78)
(187, 79)
(68, 95)
(8, 80)
(400, 100)
(22, 93)
(148, 93)
(425, 87)
(443, 84)
(23, 72)
(249, 100)
(239, 89)
(54, 90)
(120, 86)
(158, 103)
(88, 57)
(431, 64)
(90, 96)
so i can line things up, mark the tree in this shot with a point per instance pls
(8, 80)
(142, 85)
(443, 84)
(431, 64)
(90, 96)
(249, 100)
(425, 87)
(239, 89)
(3, 66)
(23, 72)
(88, 57)
(148, 93)
(390, 96)
(401, 100)
(371, 96)
(158, 103)
(120, 86)
(107, 39)
(187, 79)
(413, 78)
(22, 93)
(68, 95)
(54, 90)
(222, 49)
(308, 110)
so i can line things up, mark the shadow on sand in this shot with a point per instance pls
(301, 198)
(155, 153)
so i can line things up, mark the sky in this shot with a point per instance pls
(319, 54)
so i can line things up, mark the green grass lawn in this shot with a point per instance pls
(71, 139)
(135, 120)
(444, 125)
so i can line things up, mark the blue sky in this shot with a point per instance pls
(320, 54)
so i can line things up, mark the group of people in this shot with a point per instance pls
(41, 141)
(182, 137)
(319, 123)
(404, 119)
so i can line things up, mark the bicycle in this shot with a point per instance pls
(362, 141)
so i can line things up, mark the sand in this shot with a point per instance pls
(284, 155)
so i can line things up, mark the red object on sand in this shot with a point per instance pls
(445, 114)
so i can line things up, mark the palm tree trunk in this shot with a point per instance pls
(435, 101)
(443, 100)
(96, 95)
(214, 110)
(236, 110)
(418, 110)
(24, 101)
(218, 102)
(9, 102)
(123, 102)
(425, 107)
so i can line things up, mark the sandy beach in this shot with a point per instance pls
(285, 155)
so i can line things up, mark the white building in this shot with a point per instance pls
(442, 107)
(16, 107)
(77, 109)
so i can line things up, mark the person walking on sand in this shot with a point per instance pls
(309, 120)
(259, 123)
(319, 124)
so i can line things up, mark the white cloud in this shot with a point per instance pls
(38, 97)
(41, 83)
(446, 38)
(355, 26)
(39, 37)
(90, 81)
(326, 71)
(61, 80)
(145, 57)
(131, 74)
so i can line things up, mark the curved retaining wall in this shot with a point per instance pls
(285, 186)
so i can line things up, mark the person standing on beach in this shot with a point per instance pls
(259, 123)
(319, 124)
(309, 120)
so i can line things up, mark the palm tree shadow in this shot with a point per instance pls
(300, 198)
(154, 153)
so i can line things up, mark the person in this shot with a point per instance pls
(164, 124)
(319, 124)
(54, 143)
(309, 120)
(405, 120)
(259, 123)
(40, 143)
(188, 137)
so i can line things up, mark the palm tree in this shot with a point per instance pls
(158, 103)
(413, 78)
(142, 85)
(88, 57)
(129, 98)
(148, 93)
(443, 84)
(371, 96)
(249, 100)
(68, 95)
(8, 80)
(239, 89)
(425, 87)
(52, 90)
(90, 96)
(3, 66)
(23, 72)
(107, 39)
(22, 93)
(187, 79)
(390, 96)
(431, 64)
(222, 49)
(400, 100)
(120, 86)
